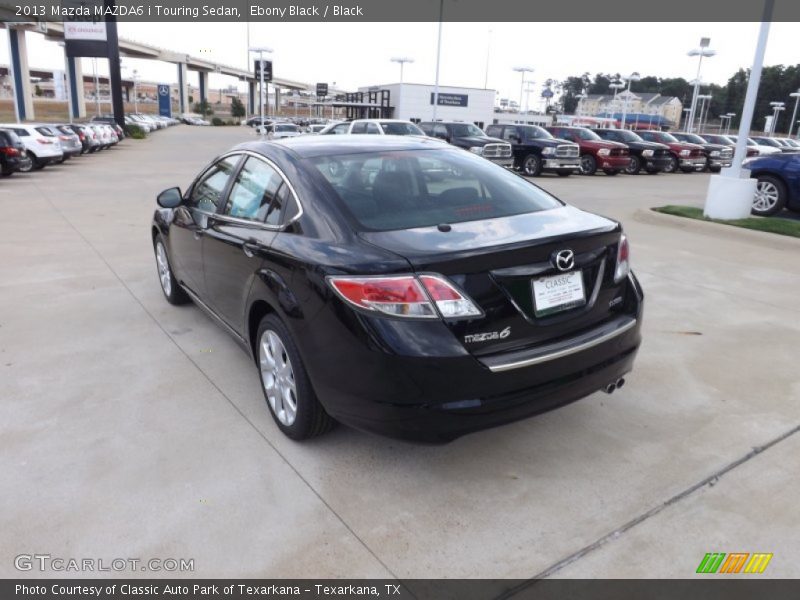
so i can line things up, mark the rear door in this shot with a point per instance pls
(239, 237)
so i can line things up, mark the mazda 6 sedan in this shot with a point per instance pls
(400, 285)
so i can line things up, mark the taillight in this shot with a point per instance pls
(9, 151)
(44, 141)
(406, 296)
(450, 302)
(623, 259)
(401, 296)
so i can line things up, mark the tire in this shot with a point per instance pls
(284, 382)
(172, 290)
(588, 165)
(634, 166)
(715, 169)
(770, 197)
(8, 172)
(531, 165)
(611, 172)
(672, 166)
(564, 173)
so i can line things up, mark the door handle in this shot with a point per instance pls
(249, 249)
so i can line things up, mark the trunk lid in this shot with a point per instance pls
(496, 261)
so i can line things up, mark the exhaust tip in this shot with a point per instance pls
(620, 382)
(609, 389)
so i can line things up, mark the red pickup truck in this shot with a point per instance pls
(596, 153)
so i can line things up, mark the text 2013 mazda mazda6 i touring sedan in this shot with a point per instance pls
(400, 285)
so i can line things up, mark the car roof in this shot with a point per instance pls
(331, 145)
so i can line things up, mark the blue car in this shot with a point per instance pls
(778, 183)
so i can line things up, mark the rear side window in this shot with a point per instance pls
(207, 192)
(253, 194)
(422, 188)
(359, 128)
(22, 132)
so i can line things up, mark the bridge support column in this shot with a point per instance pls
(203, 85)
(77, 102)
(183, 96)
(251, 98)
(20, 74)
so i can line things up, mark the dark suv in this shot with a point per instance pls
(472, 138)
(535, 150)
(650, 156)
(13, 157)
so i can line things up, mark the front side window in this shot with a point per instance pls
(207, 192)
(359, 128)
(466, 130)
(253, 191)
(510, 134)
(421, 188)
(372, 129)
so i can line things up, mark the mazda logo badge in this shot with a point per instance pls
(564, 260)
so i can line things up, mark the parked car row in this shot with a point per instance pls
(30, 146)
(148, 123)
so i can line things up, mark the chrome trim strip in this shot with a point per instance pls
(591, 343)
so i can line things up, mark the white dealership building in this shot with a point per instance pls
(414, 102)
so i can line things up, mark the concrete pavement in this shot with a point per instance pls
(137, 429)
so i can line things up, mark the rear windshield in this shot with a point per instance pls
(422, 188)
(46, 131)
(395, 128)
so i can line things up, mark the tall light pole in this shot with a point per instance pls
(402, 60)
(702, 98)
(260, 50)
(796, 96)
(135, 92)
(615, 85)
(438, 57)
(529, 86)
(488, 50)
(96, 86)
(730, 194)
(730, 119)
(522, 70)
(702, 51)
(631, 78)
(722, 121)
(777, 107)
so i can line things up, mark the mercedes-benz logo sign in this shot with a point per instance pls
(564, 260)
(163, 90)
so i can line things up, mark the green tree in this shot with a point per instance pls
(37, 90)
(203, 108)
(237, 107)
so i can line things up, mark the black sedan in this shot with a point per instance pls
(399, 285)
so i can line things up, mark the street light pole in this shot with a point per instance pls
(777, 107)
(702, 51)
(703, 110)
(438, 57)
(631, 78)
(261, 51)
(796, 96)
(135, 93)
(522, 70)
(615, 85)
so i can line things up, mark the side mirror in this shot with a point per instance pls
(170, 198)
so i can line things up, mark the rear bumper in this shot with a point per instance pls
(435, 399)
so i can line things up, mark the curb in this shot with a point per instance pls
(720, 230)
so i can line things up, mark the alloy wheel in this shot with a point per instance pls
(766, 197)
(162, 262)
(277, 377)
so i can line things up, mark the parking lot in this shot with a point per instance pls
(133, 428)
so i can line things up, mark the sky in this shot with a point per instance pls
(351, 55)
